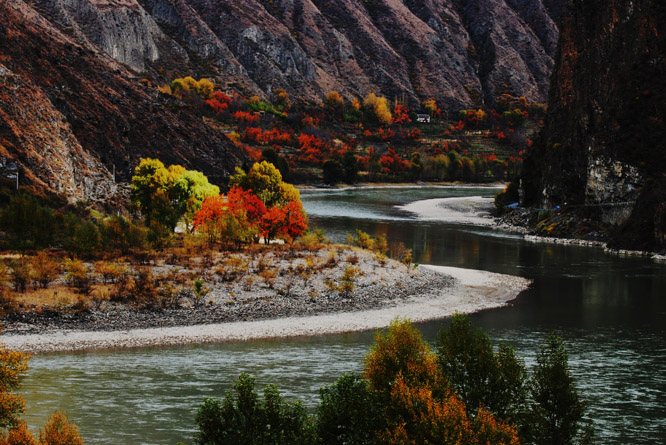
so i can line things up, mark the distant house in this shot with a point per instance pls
(423, 118)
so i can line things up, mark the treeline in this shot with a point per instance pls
(463, 392)
(370, 138)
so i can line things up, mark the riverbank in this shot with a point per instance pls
(433, 292)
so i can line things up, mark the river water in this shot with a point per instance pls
(610, 311)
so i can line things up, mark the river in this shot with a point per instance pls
(610, 311)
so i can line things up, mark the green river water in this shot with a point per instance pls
(611, 312)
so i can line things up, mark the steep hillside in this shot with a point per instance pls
(603, 146)
(78, 77)
(69, 113)
(459, 52)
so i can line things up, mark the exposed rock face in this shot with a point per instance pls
(41, 142)
(74, 106)
(70, 114)
(460, 52)
(603, 146)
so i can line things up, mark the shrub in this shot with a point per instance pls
(348, 279)
(507, 196)
(110, 272)
(44, 268)
(59, 431)
(78, 275)
(19, 274)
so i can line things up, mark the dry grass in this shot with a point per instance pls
(60, 295)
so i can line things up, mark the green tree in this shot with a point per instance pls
(242, 418)
(166, 195)
(415, 166)
(349, 412)
(28, 224)
(350, 166)
(332, 171)
(189, 191)
(81, 237)
(477, 374)
(557, 408)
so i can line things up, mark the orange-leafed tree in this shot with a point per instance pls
(219, 102)
(295, 223)
(235, 218)
(13, 368)
(59, 431)
(420, 407)
(13, 430)
(392, 163)
(401, 352)
(401, 115)
(272, 223)
(19, 435)
(311, 149)
(419, 417)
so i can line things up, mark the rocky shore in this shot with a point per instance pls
(381, 293)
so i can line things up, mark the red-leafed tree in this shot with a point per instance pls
(311, 149)
(219, 102)
(392, 163)
(401, 115)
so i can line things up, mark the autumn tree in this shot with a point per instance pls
(188, 85)
(419, 405)
(379, 107)
(281, 99)
(220, 102)
(44, 268)
(431, 107)
(235, 217)
(265, 181)
(401, 115)
(165, 195)
(59, 431)
(334, 101)
(13, 368)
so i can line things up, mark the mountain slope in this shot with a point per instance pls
(90, 69)
(459, 52)
(66, 99)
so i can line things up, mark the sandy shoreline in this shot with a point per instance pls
(472, 291)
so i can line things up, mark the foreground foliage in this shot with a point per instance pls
(13, 430)
(465, 392)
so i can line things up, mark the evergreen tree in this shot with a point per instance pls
(557, 408)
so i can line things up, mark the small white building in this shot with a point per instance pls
(423, 118)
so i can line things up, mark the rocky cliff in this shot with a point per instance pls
(78, 77)
(459, 52)
(70, 114)
(602, 151)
